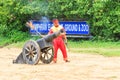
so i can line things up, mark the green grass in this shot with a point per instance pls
(16, 45)
(93, 44)
(7, 43)
(100, 51)
(89, 47)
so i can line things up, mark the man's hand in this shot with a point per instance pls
(65, 41)
(62, 34)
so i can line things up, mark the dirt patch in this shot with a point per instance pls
(81, 67)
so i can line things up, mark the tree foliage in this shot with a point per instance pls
(106, 19)
(103, 16)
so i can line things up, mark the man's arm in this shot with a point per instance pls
(50, 31)
(64, 36)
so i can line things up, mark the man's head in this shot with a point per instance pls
(55, 22)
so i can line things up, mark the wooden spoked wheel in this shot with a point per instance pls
(31, 52)
(47, 55)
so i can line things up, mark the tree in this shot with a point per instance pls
(104, 19)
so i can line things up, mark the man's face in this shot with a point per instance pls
(56, 23)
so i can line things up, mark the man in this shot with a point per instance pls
(58, 42)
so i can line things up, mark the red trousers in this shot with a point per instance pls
(58, 43)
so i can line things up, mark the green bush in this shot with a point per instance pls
(106, 20)
(15, 36)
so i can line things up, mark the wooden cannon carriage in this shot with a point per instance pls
(41, 49)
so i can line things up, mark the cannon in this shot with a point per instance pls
(41, 49)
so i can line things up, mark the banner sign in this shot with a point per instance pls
(71, 27)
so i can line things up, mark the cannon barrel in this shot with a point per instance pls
(47, 40)
(50, 37)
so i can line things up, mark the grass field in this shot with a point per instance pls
(102, 48)
(89, 47)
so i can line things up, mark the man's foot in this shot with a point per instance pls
(54, 60)
(67, 61)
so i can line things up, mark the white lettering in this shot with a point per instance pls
(71, 27)
(40, 27)
(84, 27)
(49, 26)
